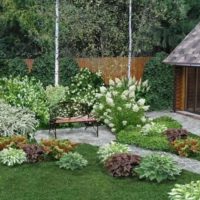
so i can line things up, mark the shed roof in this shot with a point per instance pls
(187, 53)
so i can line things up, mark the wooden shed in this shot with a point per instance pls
(186, 61)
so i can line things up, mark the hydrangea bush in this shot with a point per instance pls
(26, 93)
(84, 87)
(11, 156)
(113, 148)
(189, 191)
(122, 104)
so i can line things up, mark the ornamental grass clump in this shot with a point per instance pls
(11, 156)
(121, 165)
(189, 191)
(122, 104)
(72, 161)
(113, 148)
(157, 167)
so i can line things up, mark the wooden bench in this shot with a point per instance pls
(85, 119)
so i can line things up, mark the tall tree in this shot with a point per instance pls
(57, 5)
(130, 40)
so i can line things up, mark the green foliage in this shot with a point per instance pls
(26, 93)
(134, 136)
(190, 191)
(121, 165)
(84, 85)
(16, 120)
(153, 128)
(108, 150)
(55, 95)
(157, 167)
(168, 122)
(122, 104)
(160, 77)
(11, 157)
(72, 161)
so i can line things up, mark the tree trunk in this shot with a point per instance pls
(57, 44)
(130, 40)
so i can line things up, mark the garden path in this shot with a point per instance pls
(88, 136)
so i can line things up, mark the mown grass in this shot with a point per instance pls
(45, 181)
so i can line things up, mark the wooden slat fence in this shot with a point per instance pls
(112, 67)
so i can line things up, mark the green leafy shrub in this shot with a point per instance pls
(26, 93)
(157, 167)
(174, 134)
(11, 156)
(34, 152)
(121, 104)
(168, 122)
(55, 149)
(134, 136)
(113, 148)
(121, 165)
(16, 120)
(189, 191)
(153, 128)
(161, 80)
(84, 86)
(55, 94)
(72, 161)
(186, 147)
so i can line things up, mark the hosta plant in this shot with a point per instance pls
(113, 148)
(122, 104)
(189, 191)
(174, 134)
(11, 156)
(16, 120)
(34, 153)
(186, 147)
(26, 93)
(153, 128)
(121, 165)
(158, 168)
(56, 148)
(72, 161)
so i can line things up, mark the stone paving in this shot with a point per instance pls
(80, 135)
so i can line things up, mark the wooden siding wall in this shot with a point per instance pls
(180, 82)
(112, 67)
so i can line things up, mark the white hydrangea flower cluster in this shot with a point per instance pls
(122, 104)
(84, 87)
(153, 128)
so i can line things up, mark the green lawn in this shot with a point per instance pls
(45, 181)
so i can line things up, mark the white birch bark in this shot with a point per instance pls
(130, 40)
(57, 44)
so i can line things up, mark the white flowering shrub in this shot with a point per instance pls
(11, 156)
(153, 128)
(84, 87)
(189, 191)
(15, 120)
(122, 104)
(110, 149)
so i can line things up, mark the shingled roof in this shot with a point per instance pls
(187, 53)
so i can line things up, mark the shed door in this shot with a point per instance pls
(193, 90)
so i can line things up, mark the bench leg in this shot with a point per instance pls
(97, 130)
(52, 127)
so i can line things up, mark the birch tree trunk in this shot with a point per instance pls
(57, 44)
(130, 40)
